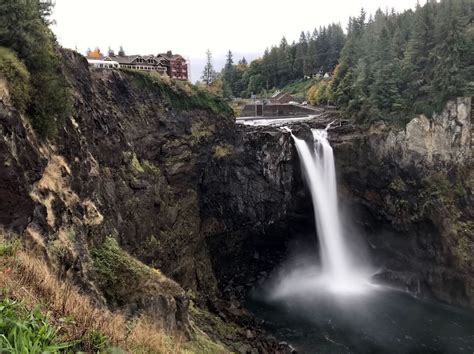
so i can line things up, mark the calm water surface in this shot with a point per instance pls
(384, 321)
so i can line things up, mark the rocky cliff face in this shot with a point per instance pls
(414, 191)
(128, 165)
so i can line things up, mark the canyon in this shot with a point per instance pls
(165, 174)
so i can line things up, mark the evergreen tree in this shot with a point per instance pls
(300, 56)
(229, 76)
(208, 74)
(385, 88)
(418, 66)
(310, 64)
(243, 61)
(451, 54)
(284, 64)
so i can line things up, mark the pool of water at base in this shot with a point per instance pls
(383, 321)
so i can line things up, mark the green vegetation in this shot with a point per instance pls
(320, 92)
(181, 96)
(24, 30)
(315, 53)
(398, 65)
(205, 322)
(17, 77)
(8, 248)
(299, 88)
(97, 340)
(119, 275)
(388, 67)
(118, 272)
(23, 331)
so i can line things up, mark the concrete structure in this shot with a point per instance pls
(276, 110)
(281, 97)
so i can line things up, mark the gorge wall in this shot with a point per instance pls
(414, 189)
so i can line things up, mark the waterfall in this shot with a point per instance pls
(339, 271)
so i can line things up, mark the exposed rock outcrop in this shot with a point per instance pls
(414, 189)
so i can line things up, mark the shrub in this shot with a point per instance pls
(318, 94)
(17, 77)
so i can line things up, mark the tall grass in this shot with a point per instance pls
(74, 318)
(28, 332)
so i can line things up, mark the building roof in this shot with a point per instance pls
(279, 94)
(170, 56)
(130, 59)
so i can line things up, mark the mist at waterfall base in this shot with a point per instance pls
(321, 298)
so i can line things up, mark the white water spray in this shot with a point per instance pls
(340, 273)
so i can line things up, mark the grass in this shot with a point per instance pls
(23, 331)
(120, 275)
(300, 88)
(181, 96)
(17, 77)
(73, 317)
(76, 324)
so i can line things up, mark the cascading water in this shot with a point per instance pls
(339, 272)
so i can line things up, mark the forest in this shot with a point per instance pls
(386, 66)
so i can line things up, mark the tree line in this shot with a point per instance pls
(395, 64)
(315, 53)
(387, 66)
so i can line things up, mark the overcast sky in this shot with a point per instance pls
(189, 27)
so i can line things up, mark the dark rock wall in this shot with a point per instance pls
(412, 191)
(126, 164)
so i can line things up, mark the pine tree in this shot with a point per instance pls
(284, 64)
(418, 66)
(311, 63)
(243, 61)
(300, 56)
(208, 74)
(229, 76)
(451, 53)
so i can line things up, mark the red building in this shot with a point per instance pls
(178, 66)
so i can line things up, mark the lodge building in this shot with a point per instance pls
(173, 65)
